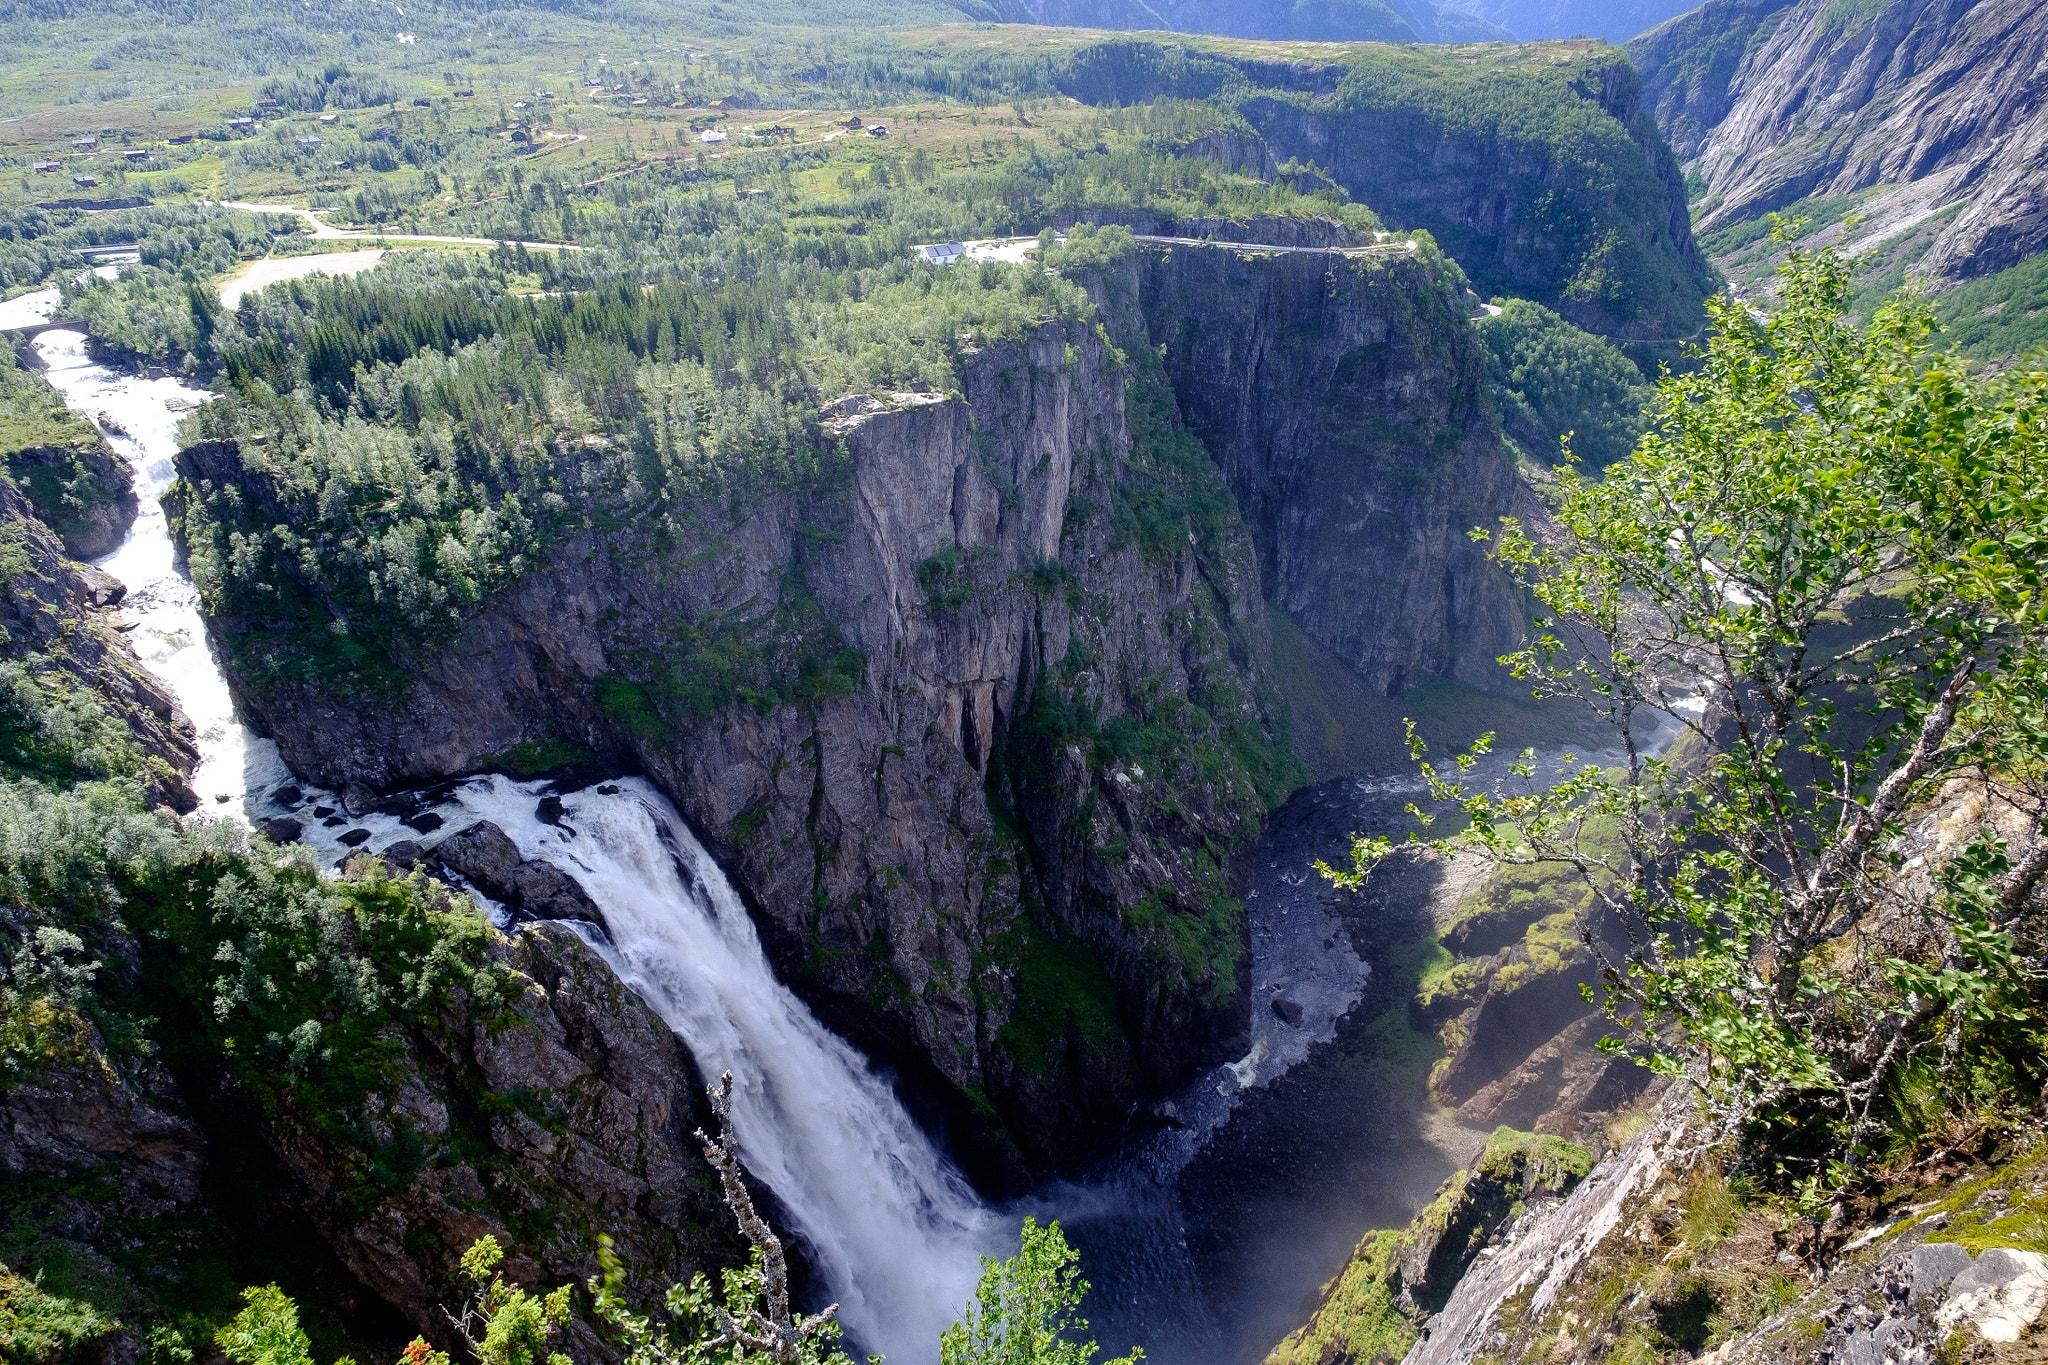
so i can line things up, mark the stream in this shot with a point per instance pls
(1201, 1236)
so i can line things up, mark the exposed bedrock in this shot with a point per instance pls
(1342, 398)
(996, 832)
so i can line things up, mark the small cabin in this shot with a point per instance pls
(939, 253)
(330, 119)
(241, 124)
(135, 154)
(85, 144)
(878, 130)
(85, 182)
(47, 165)
(853, 121)
(308, 143)
(711, 135)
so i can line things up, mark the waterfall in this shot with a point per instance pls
(892, 1229)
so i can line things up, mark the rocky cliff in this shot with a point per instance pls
(1537, 169)
(993, 828)
(995, 836)
(1342, 398)
(76, 703)
(1928, 112)
(556, 1109)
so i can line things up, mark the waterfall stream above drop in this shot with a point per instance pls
(891, 1229)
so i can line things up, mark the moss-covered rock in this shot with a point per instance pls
(78, 487)
(1373, 1311)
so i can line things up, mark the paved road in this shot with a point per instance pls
(324, 232)
(1384, 247)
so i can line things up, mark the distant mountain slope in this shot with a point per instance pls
(1389, 21)
(1536, 167)
(1924, 119)
(1616, 21)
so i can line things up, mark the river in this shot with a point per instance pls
(1203, 1232)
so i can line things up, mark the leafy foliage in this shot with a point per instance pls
(1557, 387)
(40, 1328)
(751, 1316)
(501, 1323)
(266, 1331)
(1026, 1309)
(1821, 566)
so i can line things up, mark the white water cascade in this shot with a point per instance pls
(892, 1229)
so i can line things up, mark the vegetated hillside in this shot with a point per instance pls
(218, 1068)
(1910, 129)
(1847, 1164)
(1536, 169)
(1384, 21)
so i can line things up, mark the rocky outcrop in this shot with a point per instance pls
(562, 1111)
(1539, 171)
(1653, 1254)
(1924, 107)
(85, 1112)
(85, 493)
(1342, 398)
(53, 623)
(1373, 1309)
(486, 857)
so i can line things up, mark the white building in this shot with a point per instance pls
(939, 253)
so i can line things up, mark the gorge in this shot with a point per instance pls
(912, 562)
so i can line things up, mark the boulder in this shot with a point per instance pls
(2001, 1294)
(484, 855)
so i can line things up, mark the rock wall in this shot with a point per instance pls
(1000, 843)
(565, 1114)
(54, 623)
(949, 829)
(1342, 396)
(1941, 100)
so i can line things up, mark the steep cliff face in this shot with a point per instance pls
(561, 1112)
(1341, 396)
(994, 834)
(1537, 168)
(993, 829)
(1922, 107)
(55, 630)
